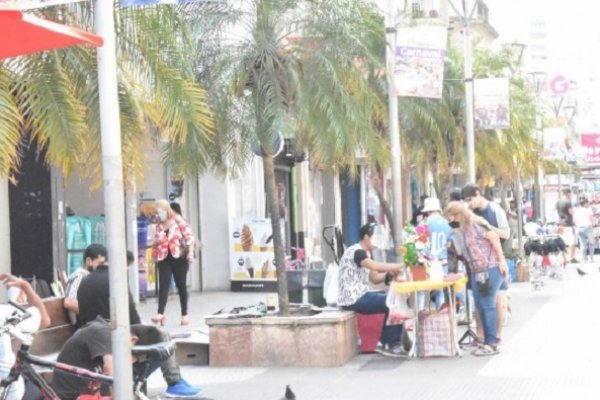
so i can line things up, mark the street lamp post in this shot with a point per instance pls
(394, 133)
(539, 81)
(114, 208)
(468, 59)
(570, 110)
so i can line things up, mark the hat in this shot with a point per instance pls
(431, 204)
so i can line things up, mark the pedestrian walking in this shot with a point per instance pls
(584, 221)
(564, 207)
(173, 249)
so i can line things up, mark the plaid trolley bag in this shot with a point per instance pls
(436, 334)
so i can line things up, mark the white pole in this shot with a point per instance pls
(390, 24)
(132, 242)
(469, 97)
(114, 208)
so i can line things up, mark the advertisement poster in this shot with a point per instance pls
(29, 4)
(420, 54)
(252, 255)
(492, 98)
(590, 143)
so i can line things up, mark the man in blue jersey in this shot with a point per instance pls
(439, 234)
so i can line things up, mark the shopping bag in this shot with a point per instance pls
(399, 308)
(436, 334)
(330, 284)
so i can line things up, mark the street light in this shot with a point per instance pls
(517, 49)
(569, 111)
(538, 80)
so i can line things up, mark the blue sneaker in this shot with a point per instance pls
(183, 389)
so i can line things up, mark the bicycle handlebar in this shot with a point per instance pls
(10, 323)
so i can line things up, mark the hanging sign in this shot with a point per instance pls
(127, 3)
(420, 55)
(29, 4)
(590, 142)
(491, 103)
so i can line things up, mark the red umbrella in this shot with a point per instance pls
(26, 34)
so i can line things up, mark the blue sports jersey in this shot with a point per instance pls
(439, 234)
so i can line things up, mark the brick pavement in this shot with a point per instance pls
(550, 351)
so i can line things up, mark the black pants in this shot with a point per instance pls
(178, 268)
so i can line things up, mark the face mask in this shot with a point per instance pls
(162, 215)
(454, 224)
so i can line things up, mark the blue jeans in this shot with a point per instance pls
(374, 303)
(487, 304)
(586, 234)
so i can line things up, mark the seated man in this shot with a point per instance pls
(21, 292)
(93, 297)
(356, 269)
(94, 255)
(91, 348)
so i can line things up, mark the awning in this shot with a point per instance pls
(22, 34)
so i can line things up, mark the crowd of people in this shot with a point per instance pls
(87, 301)
(475, 229)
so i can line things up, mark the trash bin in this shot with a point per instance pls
(294, 286)
(316, 277)
(314, 286)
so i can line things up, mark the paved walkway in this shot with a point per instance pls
(551, 351)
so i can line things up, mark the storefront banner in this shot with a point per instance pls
(590, 143)
(492, 109)
(128, 3)
(420, 55)
(29, 4)
(252, 252)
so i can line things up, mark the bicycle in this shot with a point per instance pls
(24, 362)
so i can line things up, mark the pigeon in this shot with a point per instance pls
(581, 272)
(289, 395)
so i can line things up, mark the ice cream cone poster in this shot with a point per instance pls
(252, 253)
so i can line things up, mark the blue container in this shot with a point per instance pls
(142, 231)
(512, 269)
(143, 282)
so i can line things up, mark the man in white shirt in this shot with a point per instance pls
(583, 218)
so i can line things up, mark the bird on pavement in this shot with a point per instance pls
(581, 272)
(289, 395)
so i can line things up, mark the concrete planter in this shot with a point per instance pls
(328, 339)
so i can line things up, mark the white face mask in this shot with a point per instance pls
(162, 215)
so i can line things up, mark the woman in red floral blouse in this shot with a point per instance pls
(173, 249)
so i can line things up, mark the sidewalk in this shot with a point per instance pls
(550, 351)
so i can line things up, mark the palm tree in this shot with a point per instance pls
(51, 99)
(299, 67)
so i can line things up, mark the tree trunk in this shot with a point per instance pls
(503, 186)
(273, 206)
(387, 210)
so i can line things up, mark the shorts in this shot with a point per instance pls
(504, 285)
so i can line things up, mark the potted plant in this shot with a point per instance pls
(415, 242)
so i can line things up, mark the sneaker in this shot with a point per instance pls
(574, 261)
(183, 389)
(485, 350)
(393, 351)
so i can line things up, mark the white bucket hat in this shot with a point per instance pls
(431, 204)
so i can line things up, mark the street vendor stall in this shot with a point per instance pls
(445, 340)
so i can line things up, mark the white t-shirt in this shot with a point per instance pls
(7, 357)
(582, 217)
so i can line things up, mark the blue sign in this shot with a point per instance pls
(128, 3)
